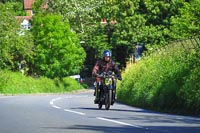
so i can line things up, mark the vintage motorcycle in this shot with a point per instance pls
(105, 89)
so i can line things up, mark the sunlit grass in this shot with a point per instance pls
(16, 83)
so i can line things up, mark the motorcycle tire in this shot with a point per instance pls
(100, 105)
(108, 100)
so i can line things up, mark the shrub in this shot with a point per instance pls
(167, 80)
(16, 83)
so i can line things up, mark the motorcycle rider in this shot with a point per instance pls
(105, 64)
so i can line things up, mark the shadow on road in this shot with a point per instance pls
(114, 109)
(127, 129)
(104, 129)
(146, 116)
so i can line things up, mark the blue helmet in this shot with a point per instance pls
(107, 53)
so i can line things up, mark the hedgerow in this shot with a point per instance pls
(167, 81)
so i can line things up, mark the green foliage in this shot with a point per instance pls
(58, 52)
(37, 6)
(186, 22)
(165, 81)
(4, 1)
(17, 7)
(16, 83)
(139, 21)
(144, 21)
(190, 93)
(13, 47)
(84, 20)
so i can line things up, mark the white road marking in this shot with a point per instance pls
(119, 122)
(100, 118)
(67, 110)
(53, 100)
(52, 103)
(56, 107)
(80, 113)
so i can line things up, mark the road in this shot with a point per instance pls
(76, 113)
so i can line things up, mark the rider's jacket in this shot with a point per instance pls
(103, 66)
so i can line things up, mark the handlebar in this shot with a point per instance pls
(106, 75)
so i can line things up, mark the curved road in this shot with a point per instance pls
(75, 112)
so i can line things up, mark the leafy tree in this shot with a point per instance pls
(57, 49)
(15, 6)
(37, 6)
(139, 21)
(80, 13)
(14, 48)
(83, 18)
(85, 21)
(187, 22)
(4, 1)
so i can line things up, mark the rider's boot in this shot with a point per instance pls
(96, 100)
(95, 88)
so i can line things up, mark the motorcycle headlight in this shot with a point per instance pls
(107, 81)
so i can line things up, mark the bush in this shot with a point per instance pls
(16, 83)
(190, 92)
(166, 81)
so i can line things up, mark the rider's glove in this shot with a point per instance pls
(97, 75)
(119, 77)
(94, 74)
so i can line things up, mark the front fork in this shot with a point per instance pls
(113, 91)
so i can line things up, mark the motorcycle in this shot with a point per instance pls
(105, 90)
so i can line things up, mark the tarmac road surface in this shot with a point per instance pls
(77, 113)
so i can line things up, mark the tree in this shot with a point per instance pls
(57, 49)
(85, 21)
(139, 21)
(14, 48)
(187, 22)
(81, 14)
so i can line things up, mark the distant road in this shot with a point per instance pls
(76, 113)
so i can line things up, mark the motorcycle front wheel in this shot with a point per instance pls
(108, 99)
(100, 105)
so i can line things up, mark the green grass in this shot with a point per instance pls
(166, 81)
(16, 83)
